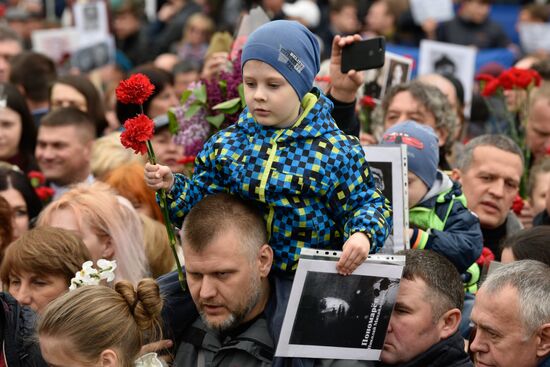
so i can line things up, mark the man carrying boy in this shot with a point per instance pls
(286, 153)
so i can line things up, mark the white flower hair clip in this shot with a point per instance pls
(89, 275)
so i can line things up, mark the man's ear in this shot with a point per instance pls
(449, 322)
(265, 259)
(456, 175)
(543, 347)
(108, 358)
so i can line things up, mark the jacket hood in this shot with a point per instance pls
(441, 184)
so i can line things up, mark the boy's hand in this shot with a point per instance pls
(158, 177)
(356, 249)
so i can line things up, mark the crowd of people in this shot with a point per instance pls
(76, 207)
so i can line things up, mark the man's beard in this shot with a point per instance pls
(236, 317)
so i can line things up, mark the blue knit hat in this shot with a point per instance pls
(422, 148)
(288, 47)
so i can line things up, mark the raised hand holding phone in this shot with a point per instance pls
(364, 55)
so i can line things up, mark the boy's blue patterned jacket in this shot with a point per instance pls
(311, 181)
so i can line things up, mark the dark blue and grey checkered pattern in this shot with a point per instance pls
(311, 181)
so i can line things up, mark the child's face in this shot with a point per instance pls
(269, 97)
(540, 191)
(417, 189)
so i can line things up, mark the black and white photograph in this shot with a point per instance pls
(94, 56)
(91, 17)
(333, 316)
(534, 37)
(55, 43)
(439, 11)
(379, 170)
(389, 171)
(397, 69)
(446, 58)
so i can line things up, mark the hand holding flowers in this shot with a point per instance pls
(137, 136)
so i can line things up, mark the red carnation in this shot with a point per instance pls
(508, 79)
(484, 77)
(187, 159)
(517, 205)
(367, 101)
(524, 80)
(486, 257)
(37, 178)
(137, 131)
(136, 89)
(324, 78)
(536, 76)
(490, 88)
(44, 193)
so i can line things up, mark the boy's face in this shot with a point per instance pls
(269, 97)
(417, 189)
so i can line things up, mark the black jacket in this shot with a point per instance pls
(447, 353)
(17, 332)
(542, 219)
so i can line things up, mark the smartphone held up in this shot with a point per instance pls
(364, 55)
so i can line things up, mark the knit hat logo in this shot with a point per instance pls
(290, 59)
(403, 138)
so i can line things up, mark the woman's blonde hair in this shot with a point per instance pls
(92, 319)
(45, 251)
(108, 153)
(157, 247)
(110, 217)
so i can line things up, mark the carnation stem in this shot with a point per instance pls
(167, 223)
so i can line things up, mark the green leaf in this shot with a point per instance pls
(185, 95)
(223, 86)
(216, 121)
(193, 109)
(173, 125)
(227, 105)
(200, 93)
(240, 88)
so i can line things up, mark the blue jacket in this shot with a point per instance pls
(444, 224)
(311, 182)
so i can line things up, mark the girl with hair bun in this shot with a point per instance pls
(95, 325)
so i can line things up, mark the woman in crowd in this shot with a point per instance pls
(100, 326)
(17, 129)
(18, 192)
(78, 91)
(108, 225)
(127, 180)
(157, 247)
(38, 267)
